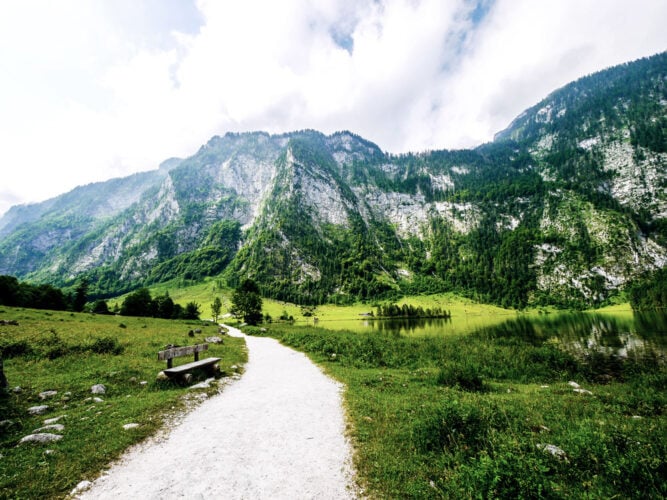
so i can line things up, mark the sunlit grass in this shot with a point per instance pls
(469, 416)
(93, 434)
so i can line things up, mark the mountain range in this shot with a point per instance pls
(565, 207)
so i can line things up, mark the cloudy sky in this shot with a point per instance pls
(94, 89)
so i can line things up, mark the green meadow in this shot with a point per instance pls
(69, 353)
(492, 414)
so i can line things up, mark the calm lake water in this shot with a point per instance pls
(582, 334)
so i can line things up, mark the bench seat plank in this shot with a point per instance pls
(190, 366)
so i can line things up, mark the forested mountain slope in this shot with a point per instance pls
(564, 207)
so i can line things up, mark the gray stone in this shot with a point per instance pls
(41, 438)
(162, 376)
(573, 384)
(80, 488)
(47, 394)
(98, 389)
(583, 391)
(98, 400)
(214, 340)
(203, 385)
(53, 420)
(130, 426)
(17, 389)
(50, 427)
(143, 382)
(554, 450)
(38, 410)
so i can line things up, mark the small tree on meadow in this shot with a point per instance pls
(80, 295)
(247, 302)
(216, 308)
(191, 311)
(100, 307)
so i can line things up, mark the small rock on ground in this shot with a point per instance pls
(553, 450)
(82, 486)
(38, 410)
(51, 427)
(53, 420)
(98, 389)
(130, 426)
(41, 438)
(47, 394)
(203, 385)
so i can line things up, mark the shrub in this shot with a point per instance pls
(106, 345)
(9, 349)
(463, 376)
(56, 347)
(455, 425)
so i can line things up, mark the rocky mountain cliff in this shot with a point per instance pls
(564, 207)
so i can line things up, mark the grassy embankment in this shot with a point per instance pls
(69, 353)
(469, 416)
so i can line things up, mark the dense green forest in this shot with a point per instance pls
(649, 291)
(15, 293)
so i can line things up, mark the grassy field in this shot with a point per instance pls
(473, 417)
(69, 353)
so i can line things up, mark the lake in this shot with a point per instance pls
(588, 335)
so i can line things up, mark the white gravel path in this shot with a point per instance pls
(276, 433)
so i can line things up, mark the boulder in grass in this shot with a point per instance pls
(553, 450)
(47, 394)
(98, 389)
(41, 438)
(38, 410)
(53, 420)
(50, 427)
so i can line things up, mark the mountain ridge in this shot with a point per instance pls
(565, 207)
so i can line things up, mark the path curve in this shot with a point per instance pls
(276, 433)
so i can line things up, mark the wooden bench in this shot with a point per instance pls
(184, 370)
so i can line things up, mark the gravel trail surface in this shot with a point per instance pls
(276, 433)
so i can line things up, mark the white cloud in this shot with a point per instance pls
(91, 90)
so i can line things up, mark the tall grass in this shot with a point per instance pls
(469, 417)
